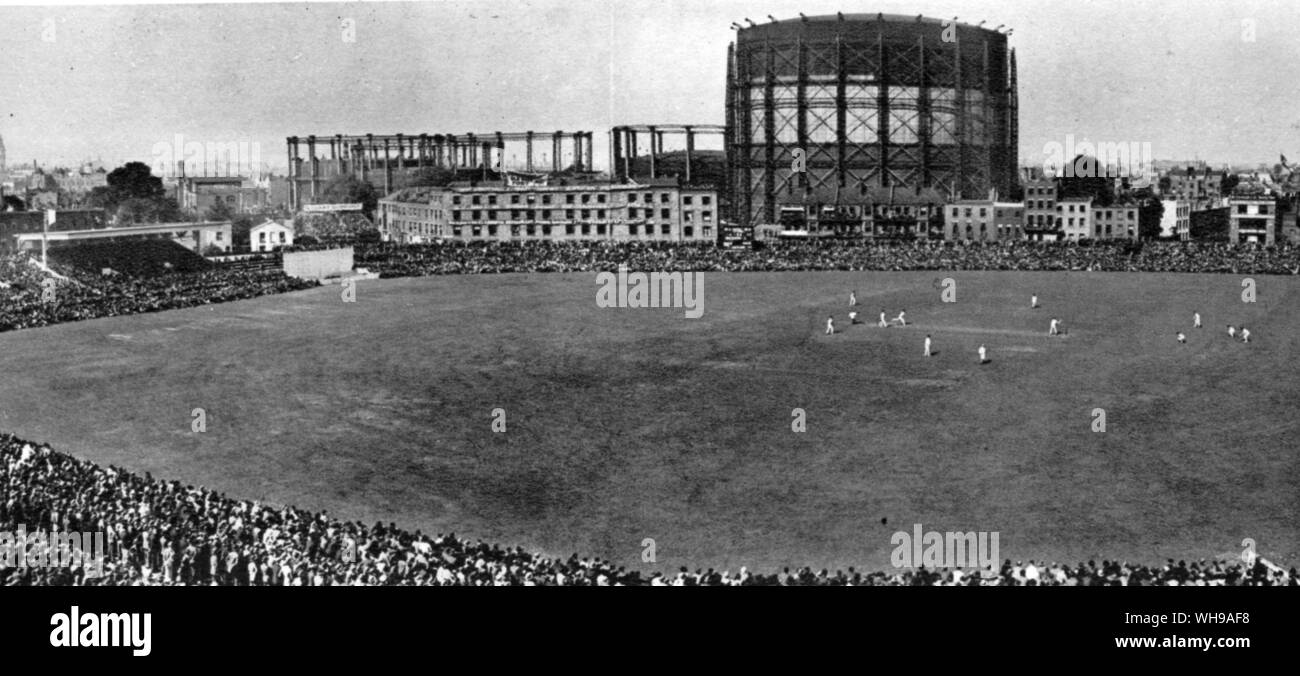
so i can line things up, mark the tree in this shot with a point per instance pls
(1088, 180)
(219, 211)
(13, 203)
(1229, 183)
(348, 189)
(1150, 211)
(134, 187)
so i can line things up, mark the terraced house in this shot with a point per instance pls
(653, 210)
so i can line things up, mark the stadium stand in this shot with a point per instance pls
(168, 533)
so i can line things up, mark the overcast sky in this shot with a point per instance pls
(114, 81)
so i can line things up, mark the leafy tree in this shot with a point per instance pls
(1229, 183)
(13, 203)
(347, 188)
(219, 211)
(1088, 180)
(1150, 211)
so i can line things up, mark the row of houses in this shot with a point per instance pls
(660, 210)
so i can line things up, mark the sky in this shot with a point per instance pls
(1201, 79)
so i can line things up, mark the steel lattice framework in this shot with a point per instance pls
(873, 101)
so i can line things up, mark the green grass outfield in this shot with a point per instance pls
(625, 424)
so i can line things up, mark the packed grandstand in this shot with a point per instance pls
(168, 533)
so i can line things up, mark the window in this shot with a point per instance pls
(600, 228)
(282, 234)
(478, 230)
(568, 199)
(686, 199)
(586, 213)
(663, 198)
(546, 199)
(477, 199)
(688, 231)
(219, 234)
(586, 198)
(686, 216)
(586, 228)
(492, 214)
(514, 214)
(967, 212)
(666, 229)
(261, 236)
(546, 230)
(514, 199)
(631, 212)
(600, 213)
(546, 214)
(665, 213)
(492, 199)
(707, 216)
(631, 197)
(705, 200)
(649, 198)
(983, 212)
(455, 199)
(492, 230)
(631, 230)
(531, 229)
(514, 231)
(600, 199)
(568, 213)
(708, 232)
(568, 229)
(474, 215)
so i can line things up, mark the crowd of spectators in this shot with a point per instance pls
(403, 260)
(167, 533)
(31, 296)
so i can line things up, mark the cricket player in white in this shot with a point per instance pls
(1232, 331)
(1245, 335)
(901, 321)
(984, 357)
(853, 318)
(883, 324)
(1196, 320)
(927, 344)
(1033, 301)
(853, 298)
(1181, 337)
(830, 326)
(1054, 330)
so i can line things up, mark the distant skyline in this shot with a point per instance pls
(115, 81)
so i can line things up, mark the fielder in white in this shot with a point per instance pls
(853, 317)
(1245, 335)
(927, 344)
(1181, 337)
(830, 326)
(883, 323)
(1232, 331)
(1054, 329)
(1196, 320)
(900, 319)
(984, 357)
(853, 298)
(1033, 301)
